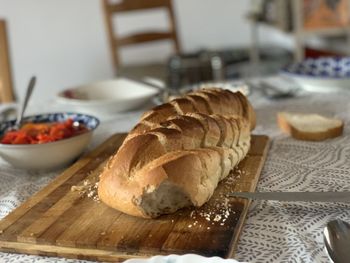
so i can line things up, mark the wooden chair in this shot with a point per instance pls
(116, 42)
(6, 90)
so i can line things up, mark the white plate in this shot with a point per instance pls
(321, 74)
(188, 258)
(106, 97)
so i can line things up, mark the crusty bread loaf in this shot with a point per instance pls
(309, 127)
(178, 153)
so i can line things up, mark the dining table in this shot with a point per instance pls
(274, 231)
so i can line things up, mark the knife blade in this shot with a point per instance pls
(296, 196)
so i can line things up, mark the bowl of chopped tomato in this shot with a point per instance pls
(46, 141)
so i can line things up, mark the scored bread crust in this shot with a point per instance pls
(296, 133)
(178, 153)
(206, 101)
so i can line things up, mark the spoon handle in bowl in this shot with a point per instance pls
(26, 99)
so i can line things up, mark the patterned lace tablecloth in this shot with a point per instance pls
(274, 231)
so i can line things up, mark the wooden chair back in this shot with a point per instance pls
(116, 42)
(6, 89)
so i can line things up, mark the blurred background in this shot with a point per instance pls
(68, 42)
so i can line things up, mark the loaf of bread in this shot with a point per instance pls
(177, 154)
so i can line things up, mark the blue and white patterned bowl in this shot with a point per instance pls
(49, 155)
(321, 74)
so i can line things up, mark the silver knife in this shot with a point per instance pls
(296, 196)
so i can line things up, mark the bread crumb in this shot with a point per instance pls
(217, 218)
(88, 188)
(218, 211)
(192, 213)
(77, 188)
(150, 188)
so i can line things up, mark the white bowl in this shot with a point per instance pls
(107, 97)
(50, 155)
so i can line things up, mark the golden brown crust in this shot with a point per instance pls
(181, 148)
(159, 113)
(212, 100)
(205, 101)
(183, 105)
(320, 136)
(283, 123)
(200, 104)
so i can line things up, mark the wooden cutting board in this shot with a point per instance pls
(66, 219)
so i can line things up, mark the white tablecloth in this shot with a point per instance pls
(274, 231)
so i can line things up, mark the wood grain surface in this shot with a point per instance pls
(66, 219)
(6, 87)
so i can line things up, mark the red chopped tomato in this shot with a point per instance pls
(43, 138)
(37, 133)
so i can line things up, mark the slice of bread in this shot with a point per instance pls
(309, 127)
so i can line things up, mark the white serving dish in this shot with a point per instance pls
(187, 258)
(50, 155)
(107, 97)
(321, 74)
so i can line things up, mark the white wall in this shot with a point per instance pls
(64, 42)
(60, 41)
(213, 23)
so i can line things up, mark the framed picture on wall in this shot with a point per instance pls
(325, 13)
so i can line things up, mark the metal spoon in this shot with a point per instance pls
(336, 237)
(24, 105)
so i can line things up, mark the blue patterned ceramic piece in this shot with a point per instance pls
(325, 67)
(326, 74)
